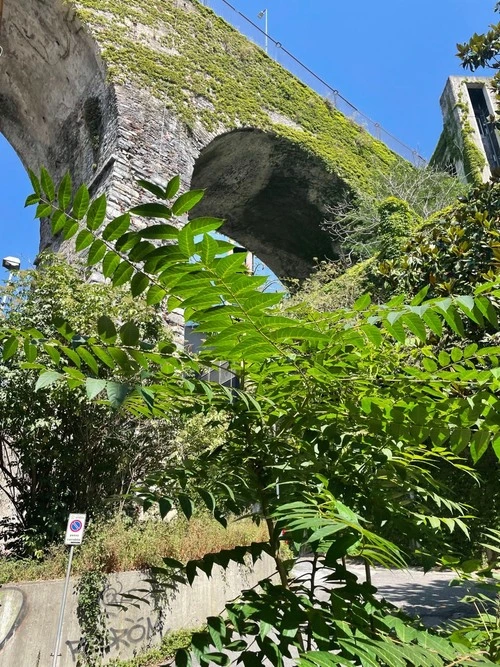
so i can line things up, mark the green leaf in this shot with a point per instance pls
(81, 202)
(204, 225)
(122, 274)
(35, 182)
(83, 240)
(207, 497)
(362, 302)
(97, 213)
(117, 393)
(226, 266)
(30, 351)
(444, 358)
(109, 263)
(43, 210)
(47, 184)
(479, 444)
(186, 504)
(165, 506)
(459, 439)
(139, 284)
(129, 334)
(163, 232)
(127, 241)
(155, 189)
(416, 325)
(31, 200)
(420, 296)
(152, 210)
(65, 190)
(183, 658)
(187, 201)
(70, 229)
(106, 329)
(117, 227)
(172, 187)
(47, 379)
(186, 242)
(87, 358)
(372, 333)
(102, 354)
(155, 295)
(208, 249)
(429, 365)
(433, 321)
(58, 222)
(140, 251)
(10, 348)
(94, 386)
(96, 252)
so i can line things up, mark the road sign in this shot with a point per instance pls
(75, 528)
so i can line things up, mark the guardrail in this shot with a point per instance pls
(278, 52)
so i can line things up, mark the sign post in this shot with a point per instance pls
(74, 537)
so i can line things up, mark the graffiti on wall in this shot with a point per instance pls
(126, 631)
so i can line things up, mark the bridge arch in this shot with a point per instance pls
(272, 194)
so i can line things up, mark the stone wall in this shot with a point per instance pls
(29, 613)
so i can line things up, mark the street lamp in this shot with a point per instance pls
(12, 264)
(264, 15)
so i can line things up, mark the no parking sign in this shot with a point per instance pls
(75, 528)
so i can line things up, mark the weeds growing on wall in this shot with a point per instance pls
(122, 544)
(91, 617)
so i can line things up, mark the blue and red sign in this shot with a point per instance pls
(74, 529)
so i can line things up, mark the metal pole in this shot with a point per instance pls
(56, 655)
(267, 33)
(9, 280)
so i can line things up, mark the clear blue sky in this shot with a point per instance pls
(389, 58)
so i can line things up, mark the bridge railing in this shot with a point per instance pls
(286, 59)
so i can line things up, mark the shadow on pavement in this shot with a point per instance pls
(435, 601)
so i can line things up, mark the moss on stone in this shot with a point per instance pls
(184, 54)
(397, 222)
(455, 144)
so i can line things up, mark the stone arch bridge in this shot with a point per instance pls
(115, 90)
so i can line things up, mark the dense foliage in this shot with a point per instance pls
(452, 252)
(335, 429)
(359, 232)
(58, 449)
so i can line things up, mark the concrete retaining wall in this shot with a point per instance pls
(29, 614)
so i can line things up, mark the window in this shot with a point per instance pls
(486, 124)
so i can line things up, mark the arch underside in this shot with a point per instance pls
(56, 107)
(272, 195)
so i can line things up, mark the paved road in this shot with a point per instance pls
(427, 595)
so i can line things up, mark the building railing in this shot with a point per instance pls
(278, 52)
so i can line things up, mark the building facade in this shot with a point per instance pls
(469, 146)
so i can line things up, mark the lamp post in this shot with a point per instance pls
(264, 14)
(12, 264)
